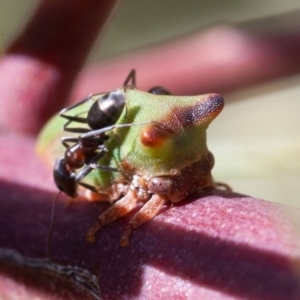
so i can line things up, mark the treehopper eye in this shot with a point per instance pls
(130, 146)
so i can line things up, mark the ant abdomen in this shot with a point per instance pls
(107, 110)
(159, 90)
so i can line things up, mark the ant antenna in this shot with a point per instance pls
(52, 219)
(131, 76)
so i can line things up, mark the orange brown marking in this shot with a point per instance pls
(154, 135)
(202, 111)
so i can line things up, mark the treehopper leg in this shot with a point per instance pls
(146, 213)
(119, 209)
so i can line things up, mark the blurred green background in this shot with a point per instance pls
(256, 139)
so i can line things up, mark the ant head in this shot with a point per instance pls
(106, 110)
(64, 178)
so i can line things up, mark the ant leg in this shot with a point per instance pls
(75, 129)
(104, 168)
(91, 97)
(89, 187)
(93, 165)
(73, 119)
(76, 118)
(109, 128)
(86, 170)
(131, 76)
(66, 140)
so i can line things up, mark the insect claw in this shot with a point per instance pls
(124, 242)
(222, 186)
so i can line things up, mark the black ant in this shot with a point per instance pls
(89, 147)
